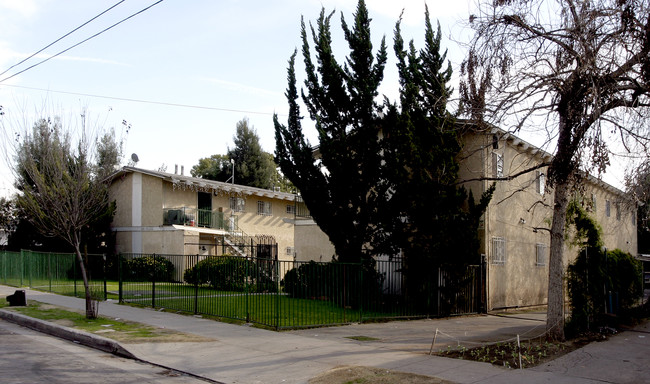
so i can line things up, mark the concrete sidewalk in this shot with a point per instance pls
(244, 354)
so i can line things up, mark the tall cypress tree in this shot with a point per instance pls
(342, 186)
(433, 222)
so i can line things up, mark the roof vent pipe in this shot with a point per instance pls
(182, 170)
(175, 169)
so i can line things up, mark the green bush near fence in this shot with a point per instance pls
(225, 273)
(593, 275)
(151, 268)
(309, 281)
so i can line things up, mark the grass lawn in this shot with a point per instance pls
(116, 329)
(267, 309)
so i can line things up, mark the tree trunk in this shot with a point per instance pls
(555, 309)
(91, 310)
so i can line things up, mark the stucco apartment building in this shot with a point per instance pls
(514, 233)
(167, 213)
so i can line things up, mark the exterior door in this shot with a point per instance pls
(205, 209)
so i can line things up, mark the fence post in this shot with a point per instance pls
(249, 259)
(22, 266)
(104, 272)
(74, 273)
(30, 261)
(153, 283)
(277, 288)
(361, 290)
(119, 278)
(49, 268)
(196, 286)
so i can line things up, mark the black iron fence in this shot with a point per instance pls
(291, 294)
(259, 288)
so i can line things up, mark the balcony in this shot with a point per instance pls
(204, 218)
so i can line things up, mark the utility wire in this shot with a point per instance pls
(83, 41)
(61, 38)
(146, 101)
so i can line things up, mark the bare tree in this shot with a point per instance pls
(61, 190)
(580, 70)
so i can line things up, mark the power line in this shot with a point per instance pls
(61, 38)
(145, 101)
(83, 41)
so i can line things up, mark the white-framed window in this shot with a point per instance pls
(264, 208)
(497, 164)
(237, 204)
(498, 250)
(291, 209)
(540, 182)
(541, 254)
(608, 208)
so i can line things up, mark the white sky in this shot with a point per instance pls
(229, 56)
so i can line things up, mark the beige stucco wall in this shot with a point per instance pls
(120, 192)
(311, 242)
(152, 197)
(618, 230)
(159, 193)
(521, 215)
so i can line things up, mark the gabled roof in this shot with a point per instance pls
(204, 185)
(520, 144)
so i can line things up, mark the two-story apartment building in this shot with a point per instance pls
(515, 237)
(165, 213)
(514, 231)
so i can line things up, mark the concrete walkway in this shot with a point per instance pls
(244, 354)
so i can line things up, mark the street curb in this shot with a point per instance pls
(76, 336)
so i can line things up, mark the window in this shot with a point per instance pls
(264, 208)
(608, 208)
(498, 250)
(497, 164)
(593, 202)
(540, 254)
(617, 206)
(237, 204)
(289, 251)
(540, 182)
(291, 209)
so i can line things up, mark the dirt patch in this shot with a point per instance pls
(156, 335)
(368, 375)
(531, 352)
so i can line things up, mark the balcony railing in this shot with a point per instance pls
(301, 208)
(204, 218)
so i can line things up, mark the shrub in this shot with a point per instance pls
(310, 280)
(227, 273)
(341, 283)
(592, 276)
(151, 268)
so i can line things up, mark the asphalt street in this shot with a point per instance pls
(27, 356)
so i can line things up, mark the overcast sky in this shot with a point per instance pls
(196, 66)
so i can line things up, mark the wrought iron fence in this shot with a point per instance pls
(291, 294)
(257, 288)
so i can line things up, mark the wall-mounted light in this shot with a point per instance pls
(203, 247)
(522, 221)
